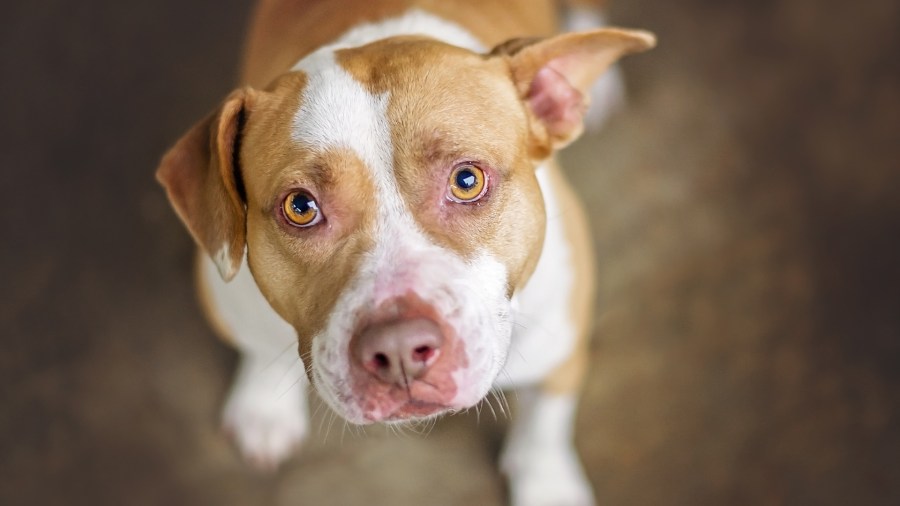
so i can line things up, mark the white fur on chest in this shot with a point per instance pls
(544, 334)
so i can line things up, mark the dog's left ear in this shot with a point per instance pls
(554, 76)
(202, 177)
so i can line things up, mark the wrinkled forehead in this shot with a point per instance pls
(407, 94)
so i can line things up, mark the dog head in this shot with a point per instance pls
(386, 200)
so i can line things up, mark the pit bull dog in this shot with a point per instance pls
(381, 196)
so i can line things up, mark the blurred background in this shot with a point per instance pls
(746, 213)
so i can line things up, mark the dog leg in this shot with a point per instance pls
(540, 458)
(266, 412)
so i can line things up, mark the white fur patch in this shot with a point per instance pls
(336, 111)
(539, 457)
(469, 295)
(266, 412)
(544, 335)
(222, 259)
(241, 307)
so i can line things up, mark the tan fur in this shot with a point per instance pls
(301, 272)
(309, 24)
(305, 275)
(198, 173)
(585, 3)
(579, 57)
(568, 377)
(492, 131)
(395, 66)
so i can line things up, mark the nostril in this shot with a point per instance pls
(423, 353)
(397, 351)
(381, 361)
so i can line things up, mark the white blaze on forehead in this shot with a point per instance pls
(337, 112)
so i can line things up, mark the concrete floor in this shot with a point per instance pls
(746, 214)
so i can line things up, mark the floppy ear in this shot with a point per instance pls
(202, 178)
(554, 77)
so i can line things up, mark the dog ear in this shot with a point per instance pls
(202, 177)
(554, 77)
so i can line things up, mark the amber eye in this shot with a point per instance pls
(301, 209)
(467, 183)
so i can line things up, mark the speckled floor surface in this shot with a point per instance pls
(746, 211)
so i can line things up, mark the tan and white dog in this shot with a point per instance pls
(382, 195)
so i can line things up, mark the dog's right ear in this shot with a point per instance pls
(202, 177)
(554, 77)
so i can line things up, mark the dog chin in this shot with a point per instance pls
(416, 411)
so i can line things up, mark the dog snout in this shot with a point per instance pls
(398, 352)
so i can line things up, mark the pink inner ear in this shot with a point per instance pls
(556, 102)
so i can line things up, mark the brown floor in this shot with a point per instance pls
(747, 216)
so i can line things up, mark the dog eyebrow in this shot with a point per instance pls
(440, 148)
(313, 177)
(317, 172)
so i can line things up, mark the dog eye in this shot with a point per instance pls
(467, 183)
(300, 209)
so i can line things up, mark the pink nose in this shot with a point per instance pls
(400, 351)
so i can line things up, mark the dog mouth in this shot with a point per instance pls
(405, 357)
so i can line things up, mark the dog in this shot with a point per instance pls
(381, 195)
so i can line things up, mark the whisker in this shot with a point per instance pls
(278, 356)
(497, 395)
(505, 402)
(535, 324)
(487, 400)
(321, 422)
(292, 385)
(328, 429)
(431, 428)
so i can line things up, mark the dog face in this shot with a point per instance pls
(386, 199)
(399, 286)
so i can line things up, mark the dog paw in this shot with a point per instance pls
(266, 419)
(265, 432)
(553, 478)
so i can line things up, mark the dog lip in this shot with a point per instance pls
(410, 410)
(414, 408)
